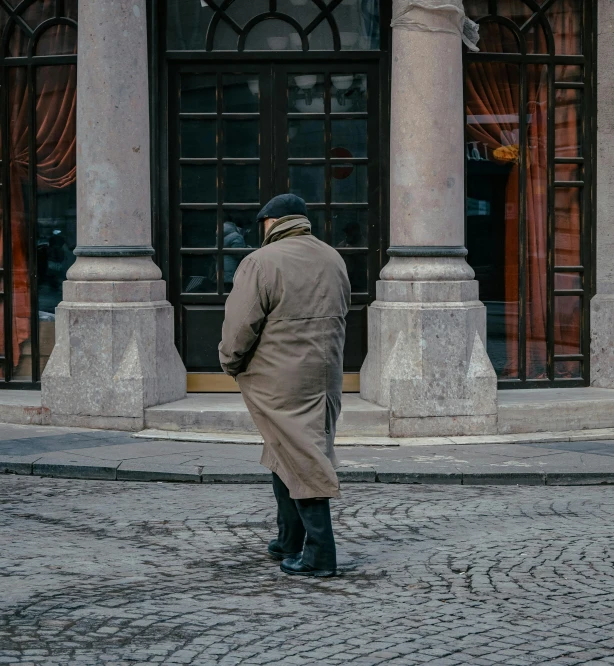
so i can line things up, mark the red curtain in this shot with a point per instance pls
(493, 112)
(55, 128)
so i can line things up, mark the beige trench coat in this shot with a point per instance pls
(283, 339)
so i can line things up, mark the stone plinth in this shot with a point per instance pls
(427, 329)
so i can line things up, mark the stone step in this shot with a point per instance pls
(547, 410)
(23, 408)
(227, 413)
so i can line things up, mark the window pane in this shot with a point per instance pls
(231, 263)
(199, 274)
(198, 93)
(198, 228)
(348, 93)
(56, 193)
(358, 24)
(567, 320)
(241, 93)
(241, 183)
(568, 369)
(537, 225)
(306, 93)
(356, 265)
(491, 151)
(318, 223)
(272, 35)
(349, 183)
(568, 172)
(350, 228)
(241, 138)
(307, 182)
(568, 280)
(19, 214)
(321, 39)
(198, 138)
(305, 138)
(567, 223)
(349, 136)
(198, 184)
(568, 123)
(186, 25)
(565, 20)
(569, 73)
(241, 229)
(57, 40)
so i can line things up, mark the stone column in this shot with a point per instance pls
(114, 354)
(602, 304)
(427, 329)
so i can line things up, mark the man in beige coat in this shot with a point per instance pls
(283, 339)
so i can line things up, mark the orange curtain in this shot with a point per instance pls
(55, 129)
(493, 115)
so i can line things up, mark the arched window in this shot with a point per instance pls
(275, 25)
(38, 81)
(529, 107)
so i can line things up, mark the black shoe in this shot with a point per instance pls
(277, 553)
(296, 567)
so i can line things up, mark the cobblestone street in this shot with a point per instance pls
(126, 573)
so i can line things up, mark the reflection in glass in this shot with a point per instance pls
(245, 221)
(568, 122)
(57, 40)
(321, 38)
(565, 18)
(356, 265)
(273, 35)
(569, 73)
(241, 183)
(567, 223)
(198, 183)
(199, 274)
(186, 25)
(307, 182)
(241, 94)
(358, 22)
(350, 228)
(567, 328)
(568, 172)
(568, 280)
(318, 223)
(241, 138)
(350, 134)
(197, 138)
(198, 93)
(235, 229)
(306, 93)
(349, 183)
(568, 369)
(305, 138)
(348, 93)
(493, 180)
(198, 228)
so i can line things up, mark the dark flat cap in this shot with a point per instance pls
(282, 205)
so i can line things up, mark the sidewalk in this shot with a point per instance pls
(101, 454)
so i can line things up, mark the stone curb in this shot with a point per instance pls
(179, 474)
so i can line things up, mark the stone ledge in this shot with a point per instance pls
(62, 468)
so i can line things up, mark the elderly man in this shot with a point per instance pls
(283, 339)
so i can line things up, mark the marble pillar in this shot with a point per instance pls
(602, 303)
(114, 354)
(426, 359)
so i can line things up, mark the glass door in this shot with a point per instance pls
(240, 134)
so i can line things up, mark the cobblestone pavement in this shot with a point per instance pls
(95, 572)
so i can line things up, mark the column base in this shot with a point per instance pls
(114, 355)
(427, 361)
(602, 350)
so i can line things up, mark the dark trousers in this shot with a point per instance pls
(305, 525)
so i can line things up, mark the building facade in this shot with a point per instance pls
(467, 189)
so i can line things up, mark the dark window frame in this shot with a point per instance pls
(30, 62)
(588, 184)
